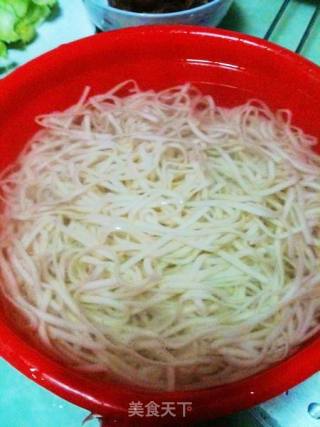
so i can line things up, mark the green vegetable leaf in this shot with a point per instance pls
(49, 3)
(25, 28)
(19, 20)
(3, 50)
(20, 7)
(7, 24)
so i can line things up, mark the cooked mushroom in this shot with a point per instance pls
(156, 6)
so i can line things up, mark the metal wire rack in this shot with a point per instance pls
(308, 30)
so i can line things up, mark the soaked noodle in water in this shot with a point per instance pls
(163, 240)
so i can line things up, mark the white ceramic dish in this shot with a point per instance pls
(106, 17)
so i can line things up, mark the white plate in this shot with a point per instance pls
(71, 23)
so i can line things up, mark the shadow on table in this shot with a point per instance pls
(240, 419)
(234, 20)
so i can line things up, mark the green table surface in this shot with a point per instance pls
(24, 403)
(254, 17)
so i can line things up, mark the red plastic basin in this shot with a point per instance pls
(230, 66)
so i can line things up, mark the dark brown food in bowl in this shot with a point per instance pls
(156, 6)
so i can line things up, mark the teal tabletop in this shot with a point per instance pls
(25, 404)
(255, 17)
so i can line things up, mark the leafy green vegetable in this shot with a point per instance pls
(19, 20)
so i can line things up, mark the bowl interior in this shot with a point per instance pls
(231, 67)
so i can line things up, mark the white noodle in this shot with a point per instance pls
(163, 240)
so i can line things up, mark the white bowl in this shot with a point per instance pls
(106, 17)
